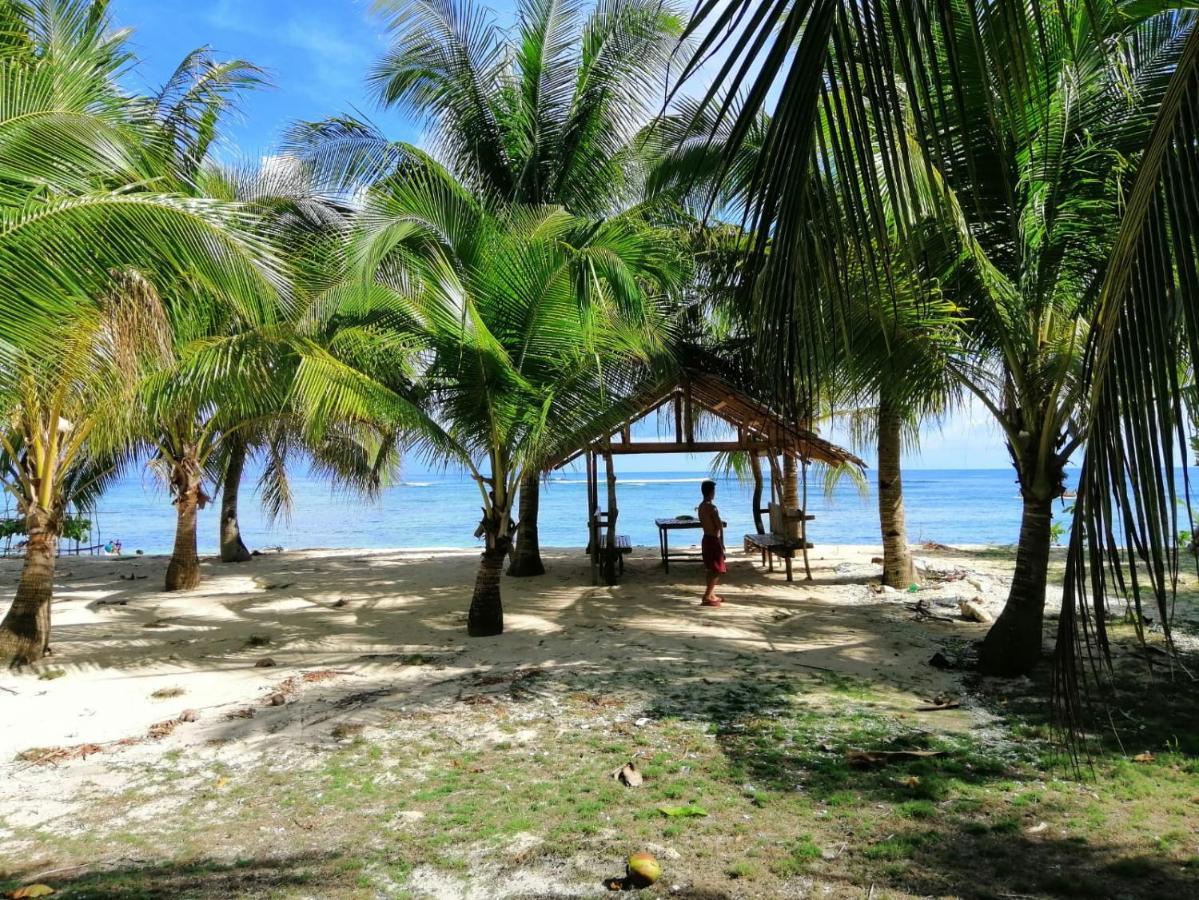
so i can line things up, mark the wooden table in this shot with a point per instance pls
(665, 526)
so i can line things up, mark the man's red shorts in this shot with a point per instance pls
(713, 552)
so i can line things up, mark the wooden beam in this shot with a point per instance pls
(690, 447)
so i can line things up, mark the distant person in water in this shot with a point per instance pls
(713, 543)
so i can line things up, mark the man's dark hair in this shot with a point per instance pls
(708, 488)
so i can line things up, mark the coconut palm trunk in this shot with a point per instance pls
(25, 631)
(233, 548)
(898, 571)
(526, 559)
(183, 571)
(1013, 645)
(755, 464)
(486, 617)
(791, 492)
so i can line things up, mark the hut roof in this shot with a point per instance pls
(693, 393)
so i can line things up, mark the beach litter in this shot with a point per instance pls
(884, 757)
(30, 891)
(974, 611)
(629, 775)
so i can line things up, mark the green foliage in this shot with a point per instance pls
(1025, 168)
(76, 528)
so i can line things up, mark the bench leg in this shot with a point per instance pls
(770, 558)
(788, 559)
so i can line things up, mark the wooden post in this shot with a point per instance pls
(592, 518)
(678, 418)
(803, 522)
(613, 553)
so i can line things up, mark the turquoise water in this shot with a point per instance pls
(952, 507)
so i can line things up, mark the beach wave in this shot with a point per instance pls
(633, 480)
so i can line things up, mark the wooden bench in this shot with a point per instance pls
(778, 542)
(624, 545)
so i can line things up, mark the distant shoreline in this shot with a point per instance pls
(820, 551)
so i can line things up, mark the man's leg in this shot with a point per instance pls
(710, 598)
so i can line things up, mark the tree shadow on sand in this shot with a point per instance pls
(203, 879)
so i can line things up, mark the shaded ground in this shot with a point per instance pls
(407, 761)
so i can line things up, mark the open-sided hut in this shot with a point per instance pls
(689, 398)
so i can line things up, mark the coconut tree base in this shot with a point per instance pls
(526, 557)
(183, 571)
(235, 551)
(183, 575)
(898, 570)
(233, 548)
(1013, 646)
(20, 646)
(486, 618)
(523, 566)
(25, 631)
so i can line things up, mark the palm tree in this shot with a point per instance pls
(228, 385)
(551, 113)
(1021, 128)
(232, 548)
(528, 324)
(896, 365)
(300, 222)
(65, 435)
(83, 245)
(220, 376)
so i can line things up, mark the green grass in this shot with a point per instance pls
(799, 859)
(765, 757)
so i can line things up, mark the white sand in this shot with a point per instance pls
(402, 603)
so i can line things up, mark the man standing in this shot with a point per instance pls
(713, 543)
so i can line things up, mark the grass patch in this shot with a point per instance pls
(741, 870)
(764, 758)
(800, 857)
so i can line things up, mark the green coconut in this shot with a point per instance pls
(643, 869)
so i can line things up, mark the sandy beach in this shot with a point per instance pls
(354, 643)
(118, 639)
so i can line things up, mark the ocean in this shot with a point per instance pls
(975, 506)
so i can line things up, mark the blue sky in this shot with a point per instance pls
(316, 53)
